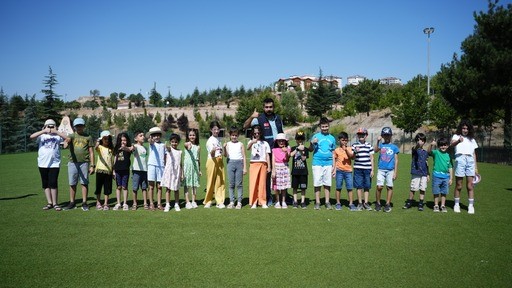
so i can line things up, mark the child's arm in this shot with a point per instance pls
(456, 141)
(350, 152)
(91, 159)
(373, 165)
(395, 172)
(243, 158)
(376, 148)
(451, 176)
(431, 147)
(199, 160)
(474, 157)
(273, 166)
(333, 170)
(225, 150)
(312, 144)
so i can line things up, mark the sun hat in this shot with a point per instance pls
(49, 122)
(362, 131)
(104, 133)
(477, 178)
(78, 121)
(386, 131)
(155, 130)
(281, 136)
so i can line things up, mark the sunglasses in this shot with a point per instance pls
(51, 126)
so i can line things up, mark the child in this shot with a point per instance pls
(443, 173)
(192, 167)
(258, 168)
(280, 171)
(343, 173)
(419, 171)
(156, 163)
(214, 169)
(299, 155)
(81, 162)
(139, 170)
(465, 163)
(48, 161)
(173, 173)
(105, 148)
(388, 167)
(123, 151)
(363, 168)
(322, 145)
(235, 152)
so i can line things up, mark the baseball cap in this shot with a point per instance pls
(362, 131)
(49, 122)
(104, 133)
(386, 131)
(78, 121)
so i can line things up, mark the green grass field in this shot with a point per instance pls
(212, 247)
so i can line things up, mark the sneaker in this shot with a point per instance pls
(238, 206)
(264, 206)
(270, 202)
(367, 207)
(328, 206)
(117, 207)
(85, 207)
(295, 204)
(303, 205)
(284, 205)
(377, 207)
(188, 205)
(231, 205)
(317, 206)
(194, 204)
(420, 207)
(221, 206)
(407, 205)
(443, 209)
(387, 208)
(456, 208)
(436, 208)
(125, 207)
(70, 206)
(471, 209)
(106, 208)
(254, 206)
(167, 207)
(177, 207)
(359, 207)
(352, 207)
(337, 207)
(277, 205)
(208, 205)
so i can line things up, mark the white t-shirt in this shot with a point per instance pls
(139, 158)
(48, 155)
(211, 144)
(234, 150)
(156, 154)
(259, 151)
(467, 146)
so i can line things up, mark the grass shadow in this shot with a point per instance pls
(17, 197)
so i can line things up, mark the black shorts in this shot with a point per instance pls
(300, 182)
(49, 177)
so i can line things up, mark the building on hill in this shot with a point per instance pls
(355, 79)
(304, 83)
(391, 81)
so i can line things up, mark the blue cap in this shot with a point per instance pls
(386, 131)
(78, 121)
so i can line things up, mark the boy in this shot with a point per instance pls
(80, 156)
(156, 164)
(322, 145)
(363, 168)
(299, 169)
(139, 170)
(419, 171)
(343, 171)
(442, 175)
(388, 167)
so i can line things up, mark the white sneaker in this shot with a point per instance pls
(238, 205)
(277, 205)
(231, 205)
(208, 205)
(177, 207)
(221, 206)
(188, 205)
(264, 206)
(167, 207)
(284, 206)
(456, 208)
(125, 207)
(194, 205)
(471, 209)
(117, 207)
(254, 206)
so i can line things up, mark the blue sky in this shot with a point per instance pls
(126, 46)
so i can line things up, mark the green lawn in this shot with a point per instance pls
(212, 247)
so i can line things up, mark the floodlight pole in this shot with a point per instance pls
(428, 31)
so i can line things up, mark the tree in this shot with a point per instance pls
(320, 98)
(364, 96)
(136, 99)
(122, 95)
(154, 97)
(410, 113)
(441, 114)
(94, 93)
(291, 112)
(140, 123)
(479, 82)
(182, 122)
(50, 103)
(92, 125)
(91, 104)
(113, 101)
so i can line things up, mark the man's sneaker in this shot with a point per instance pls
(359, 207)
(295, 204)
(303, 205)
(188, 205)
(238, 205)
(377, 207)
(436, 208)
(277, 205)
(338, 206)
(231, 205)
(317, 206)
(387, 208)
(117, 207)
(471, 209)
(194, 204)
(70, 206)
(352, 207)
(221, 206)
(254, 206)
(177, 207)
(328, 206)
(85, 207)
(167, 207)
(420, 207)
(270, 202)
(443, 209)
(284, 205)
(367, 207)
(456, 208)
(407, 205)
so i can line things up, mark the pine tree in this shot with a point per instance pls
(51, 105)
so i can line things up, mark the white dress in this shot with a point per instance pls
(171, 177)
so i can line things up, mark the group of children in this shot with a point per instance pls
(166, 166)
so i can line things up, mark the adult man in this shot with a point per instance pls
(271, 124)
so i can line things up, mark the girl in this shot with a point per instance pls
(258, 168)
(173, 173)
(465, 163)
(122, 150)
(48, 161)
(214, 169)
(104, 164)
(234, 151)
(280, 171)
(192, 171)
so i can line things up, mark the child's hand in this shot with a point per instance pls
(379, 138)
(461, 139)
(433, 143)
(300, 147)
(314, 140)
(188, 145)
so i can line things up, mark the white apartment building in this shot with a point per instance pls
(355, 79)
(306, 82)
(391, 81)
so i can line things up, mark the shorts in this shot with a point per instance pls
(343, 176)
(385, 176)
(155, 173)
(49, 177)
(440, 185)
(300, 182)
(464, 165)
(139, 179)
(362, 179)
(122, 177)
(322, 176)
(78, 170)
(418, 183)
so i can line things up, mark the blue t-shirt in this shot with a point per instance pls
(322, 153)
(387, 154)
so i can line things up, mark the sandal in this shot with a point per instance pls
(57, 208)
(134, 207)
(99, 206)
(48, 206)
(160, 207)
(152, 207)
(146, 207)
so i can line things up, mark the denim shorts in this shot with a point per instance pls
(440, 185)
(385, 176)
(342, 176)
(464, 165)
(362, 179)
(122, 177)
(78, 170)
(139, 179)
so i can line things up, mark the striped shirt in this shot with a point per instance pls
(362, 154)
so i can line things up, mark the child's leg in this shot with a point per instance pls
(317, 194)
(327, 191)
(422, 196)
(194, 191)
(167, 196)
(48, 195)
(84, 193)
(458, 188)
(350, 197)
(338, 196)
(294, 195)
(159, 194)
(436, 200)
(303, 196)
(389, 195)
(470, 188)
(118, 194)
(411, 196)
(360, 196)
(125, 195)
(187, 200)
(134, 197)
(151, 194)
(367, 196)
(176, 197)
(54, 196)
(105, 201)
(145, 197)
(378, 194)
(443, 200)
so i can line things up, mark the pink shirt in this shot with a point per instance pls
(281, 156)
